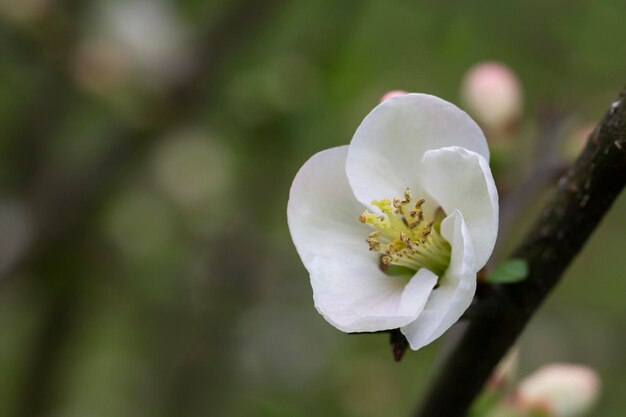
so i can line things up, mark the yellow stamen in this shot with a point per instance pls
(406, 239)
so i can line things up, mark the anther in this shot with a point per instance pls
(404, 236)
(373, 244)
(407, 194)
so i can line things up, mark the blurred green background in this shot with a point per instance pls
(146, 152)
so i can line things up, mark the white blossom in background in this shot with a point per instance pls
(195, 169)
(559, 390)
(394, 227)
(150, 34)
(492, 93)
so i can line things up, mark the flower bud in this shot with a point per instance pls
(392, 94)
(492, 93)
(559, 390)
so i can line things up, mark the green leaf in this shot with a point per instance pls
(510, 271)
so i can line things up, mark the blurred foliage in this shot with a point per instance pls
(146, 152)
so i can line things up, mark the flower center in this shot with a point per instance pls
(404, 237)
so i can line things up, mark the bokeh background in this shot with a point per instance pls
(146, 152)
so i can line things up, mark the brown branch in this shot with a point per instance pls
(584, 195)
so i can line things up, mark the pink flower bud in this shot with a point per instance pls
(560, 390)
(492, 93)
(392, 94)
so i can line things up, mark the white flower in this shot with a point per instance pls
(419, 168)
(560, 390)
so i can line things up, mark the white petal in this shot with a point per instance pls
(354, 295)
(457, 178)
(322, 211)
(387, 148)
(456, 288)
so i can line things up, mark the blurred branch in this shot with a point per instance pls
(583, 197)
(46, 44)
(66, 202)
(69, 198)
